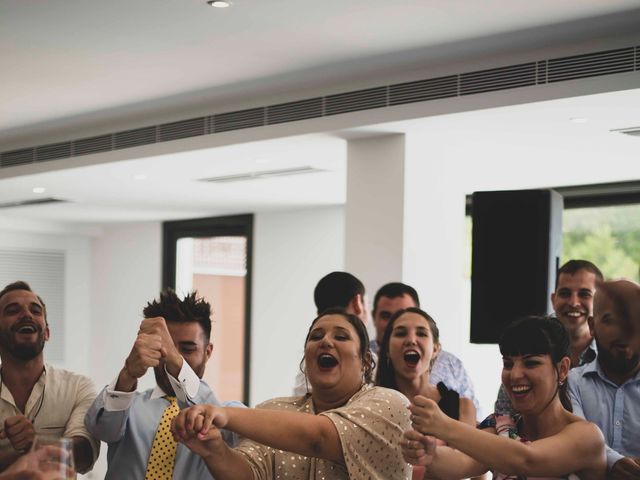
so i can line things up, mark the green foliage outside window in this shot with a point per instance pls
(607, 236)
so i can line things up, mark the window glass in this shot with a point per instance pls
(606, 236)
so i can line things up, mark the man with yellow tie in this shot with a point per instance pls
(174, 340)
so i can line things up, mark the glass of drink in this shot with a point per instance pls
(55, 457)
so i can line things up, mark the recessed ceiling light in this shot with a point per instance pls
(140, 176)
(262, 160)
(39, 189)
(578, 120)
(219, 3)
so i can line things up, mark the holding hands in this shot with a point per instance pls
(418, 449)
(427, 418)
(198, 428)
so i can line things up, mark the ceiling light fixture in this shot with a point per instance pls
(140, 176)
(219, 3)
(39, 189)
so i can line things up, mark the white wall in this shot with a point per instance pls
(77, 290)
(292, 251)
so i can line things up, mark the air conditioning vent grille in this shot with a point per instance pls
(498, 79)
(17, 157)
(134, 138)
(225, 122)
(242, 177)
(355, 101)
(542, 72)
(86, 146)
(182, 129)
(53, 151)
(592, 64)
(292, 111)
(422, 90)
(36, 201)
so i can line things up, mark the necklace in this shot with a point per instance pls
(31, 418)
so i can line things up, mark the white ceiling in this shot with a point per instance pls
(78, 61)
(86, 62)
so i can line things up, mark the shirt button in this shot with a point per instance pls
(617, 423)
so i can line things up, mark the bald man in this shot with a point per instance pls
(607, 390)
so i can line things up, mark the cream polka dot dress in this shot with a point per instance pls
(370, 426)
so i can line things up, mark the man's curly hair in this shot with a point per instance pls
(172, 309)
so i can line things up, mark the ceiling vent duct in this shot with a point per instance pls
(242, 177)
(538, 73)
(634, 132)
(28, 203)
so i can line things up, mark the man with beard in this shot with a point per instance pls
(174, 340)
(36, 398)
(607, 391)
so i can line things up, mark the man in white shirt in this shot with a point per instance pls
(36, 398)
(174, 340)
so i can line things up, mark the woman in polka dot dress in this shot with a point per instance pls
(344, 429)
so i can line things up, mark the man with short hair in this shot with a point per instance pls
(341, 289)
(174, 340)
(572, 303)
(447, 368)
(36, 398)
(607, 391)
(336, 289)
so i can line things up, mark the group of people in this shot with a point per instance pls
(394, 407)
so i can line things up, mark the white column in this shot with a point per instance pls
(374, 209)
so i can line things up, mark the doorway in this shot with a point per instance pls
(213, 256)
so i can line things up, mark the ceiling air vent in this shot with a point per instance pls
(89, 145)
(354, 101)
(134, 138)
(182, 129)
(17, 157)
(242, 177)
(36, 201)
(422, 90)
(591, 64)
(292, 111)
(634, 132)
(224, 122)
(501, 78)
(53, 151)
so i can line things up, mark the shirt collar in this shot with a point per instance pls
(157, 393)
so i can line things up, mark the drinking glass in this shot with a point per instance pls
(55, 457)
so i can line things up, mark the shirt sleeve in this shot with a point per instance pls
(85, 394)
(186, 385)
(106, 424)
(370, 430)
(576, 403)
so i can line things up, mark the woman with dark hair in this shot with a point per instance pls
(410, 345)
(545, 440)
(343, 429)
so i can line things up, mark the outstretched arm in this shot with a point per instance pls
(306, 434)
(441, 462)
(577, 447)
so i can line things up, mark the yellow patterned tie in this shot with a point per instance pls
(163, 450)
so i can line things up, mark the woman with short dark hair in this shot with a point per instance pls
(545, 440)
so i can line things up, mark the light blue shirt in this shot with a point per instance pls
(615, 409)
(127, 422)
